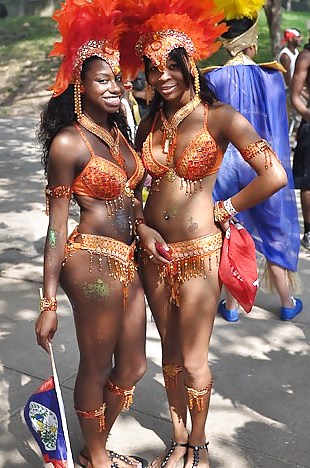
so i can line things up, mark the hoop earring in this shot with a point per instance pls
(77, 100)
(149, 93)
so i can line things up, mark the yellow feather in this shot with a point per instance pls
(237, 9)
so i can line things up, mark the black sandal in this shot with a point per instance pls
(125, 459)
(196, 449)
(170, 452)
(84, 460)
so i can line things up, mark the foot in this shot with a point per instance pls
(114, 460)
(197, 456)
(229, 315)
(172, 457)
(305, 241)
(288, 313)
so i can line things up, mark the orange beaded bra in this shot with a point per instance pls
(200, 158)
(103, 179)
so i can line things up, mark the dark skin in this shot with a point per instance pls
(185, 331)
(111, 332)
(285, 60)
(301, 80)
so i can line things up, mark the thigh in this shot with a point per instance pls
(130, 347)
(157, 294)
(198, 304)
(97, 302)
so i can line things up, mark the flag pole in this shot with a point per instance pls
(70, 461)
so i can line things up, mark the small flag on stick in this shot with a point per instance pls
(45, 417)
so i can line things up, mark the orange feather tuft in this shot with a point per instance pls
(80, 21)
(198, 19)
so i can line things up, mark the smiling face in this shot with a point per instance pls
(102, 89)
(170, 83)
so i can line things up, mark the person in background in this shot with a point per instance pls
(182, 141)
(258, 93)
(301, 163)
(87, 155)
(287, 57)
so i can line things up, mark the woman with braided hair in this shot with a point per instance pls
(87, 155)
(182, 142)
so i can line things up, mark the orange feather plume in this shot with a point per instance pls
(80, 21)
(199, 20)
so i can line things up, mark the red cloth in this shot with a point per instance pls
(238, 269)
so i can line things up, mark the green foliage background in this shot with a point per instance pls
(26, 42)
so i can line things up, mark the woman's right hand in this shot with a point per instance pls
(148, 237)
(45, 328)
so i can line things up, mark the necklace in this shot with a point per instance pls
(104, 135)
(170, 128)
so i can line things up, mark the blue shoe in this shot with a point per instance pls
(229, 315)
(288, 313)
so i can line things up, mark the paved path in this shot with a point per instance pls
(260, 411)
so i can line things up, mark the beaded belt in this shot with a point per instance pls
(190, 259)
(120, 256)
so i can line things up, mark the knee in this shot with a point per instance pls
(130, 374)
(95, 371)
(196, 367)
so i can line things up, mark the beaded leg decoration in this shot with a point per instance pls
(170, 372)
(170, 452)
(94, 414)
(196, 449)
(125, 393)
(197, 396)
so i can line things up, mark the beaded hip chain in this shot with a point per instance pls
(120, 256)
(190, 259)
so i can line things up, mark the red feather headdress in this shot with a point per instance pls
(87, 28)
(156, 27)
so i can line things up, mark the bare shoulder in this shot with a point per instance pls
(220, 114)
(67, 147)
(144, 129)
(304, 57)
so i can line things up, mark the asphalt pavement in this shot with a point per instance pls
(260, 407)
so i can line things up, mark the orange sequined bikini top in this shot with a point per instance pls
(103, 179)
(200, 158)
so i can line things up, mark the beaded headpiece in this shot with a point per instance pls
(156, 27)
(238, 10)
(88, 28)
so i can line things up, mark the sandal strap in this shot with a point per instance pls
(118, 456)
(171, 450)
(196, 449)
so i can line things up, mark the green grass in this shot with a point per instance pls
(26, 42)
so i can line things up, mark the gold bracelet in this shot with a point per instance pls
(48, 304)
(137, 222)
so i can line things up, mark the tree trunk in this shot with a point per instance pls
(273, 10)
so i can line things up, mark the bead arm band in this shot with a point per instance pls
(262, 148)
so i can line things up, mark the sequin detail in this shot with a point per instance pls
(201, 157)
(98, 413)
(56, 191)
(190, 259)
(120, 256)
(105, 180)
(196, 397)
(170, 372)
(126, 393)
(260, 147)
